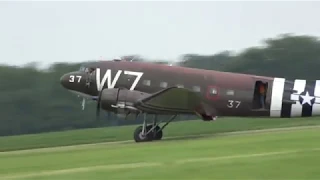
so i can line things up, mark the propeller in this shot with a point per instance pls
(98, 105)
(83, 104)
(98, 108)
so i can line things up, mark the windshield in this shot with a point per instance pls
(82, 68)
(88, 70)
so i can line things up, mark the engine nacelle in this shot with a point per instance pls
(205, 117)
(206, 113)
(120, 101)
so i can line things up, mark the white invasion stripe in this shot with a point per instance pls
(276, 97)
(299, 86)
(316, 107)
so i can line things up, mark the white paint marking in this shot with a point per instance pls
(81, 169)
(138, 77)
(316, 107)
(244, 156)
(276, 97)
(111, 83)
(299, 86)
(107, 76)
(149, 164)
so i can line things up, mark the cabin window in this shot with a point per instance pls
(147, 82)
(163, 84)
(213, 91)
(230, 92)
(196, 88)
(180, 86)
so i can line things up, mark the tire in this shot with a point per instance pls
(159, 134)
(137, 135)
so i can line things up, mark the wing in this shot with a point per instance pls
(175, 100)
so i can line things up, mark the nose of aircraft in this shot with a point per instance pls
(64, 80)
(73, 80)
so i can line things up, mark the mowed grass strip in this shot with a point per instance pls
(269, 155)
(109, 134)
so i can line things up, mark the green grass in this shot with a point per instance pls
(290, 154)
(126, 132)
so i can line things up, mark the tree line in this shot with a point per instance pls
(33, 101)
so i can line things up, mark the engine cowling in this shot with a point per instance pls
(206, 113)
(120, 101)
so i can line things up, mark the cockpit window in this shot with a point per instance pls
(91, 70)
(89, 66)
(87, 69)
(82, 68)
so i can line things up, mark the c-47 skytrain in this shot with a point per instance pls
(125, 87)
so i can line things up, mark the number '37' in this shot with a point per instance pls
(233, 104)
(72, 77)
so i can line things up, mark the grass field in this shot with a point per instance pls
(289, 153)
(185, 128)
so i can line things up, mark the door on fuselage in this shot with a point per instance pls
(261, 95)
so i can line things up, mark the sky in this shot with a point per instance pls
(76, 31)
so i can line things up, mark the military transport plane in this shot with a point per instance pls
(125, 87)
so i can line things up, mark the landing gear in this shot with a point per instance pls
(150, 132)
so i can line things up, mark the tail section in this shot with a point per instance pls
(297, 98)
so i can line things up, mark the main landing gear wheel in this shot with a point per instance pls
(151, 132)
(140, 136)
(157, 134)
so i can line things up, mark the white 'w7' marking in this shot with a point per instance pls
(112, 83)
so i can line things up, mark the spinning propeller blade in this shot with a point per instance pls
(83, 104)
(98, 105)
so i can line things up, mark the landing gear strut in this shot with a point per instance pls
(150, 132)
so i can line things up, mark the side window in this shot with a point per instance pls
(230, 92)
(196, 88)
(147, 82)
(212, 92)
(163, 84)
(180, 85)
